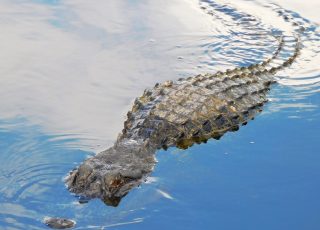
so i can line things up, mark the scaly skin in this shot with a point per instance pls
(177, 114)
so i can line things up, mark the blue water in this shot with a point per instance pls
(54, 115)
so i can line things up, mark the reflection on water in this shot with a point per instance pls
(71, 69)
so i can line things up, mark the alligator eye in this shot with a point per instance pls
(116, 182)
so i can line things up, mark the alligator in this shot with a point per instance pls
(174, 114)
(179, 114)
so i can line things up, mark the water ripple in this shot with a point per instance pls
(70, 70)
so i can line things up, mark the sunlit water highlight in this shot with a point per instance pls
(70, 71)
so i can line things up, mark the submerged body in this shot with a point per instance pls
(178, 114)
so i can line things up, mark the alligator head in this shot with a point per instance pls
(111, 174)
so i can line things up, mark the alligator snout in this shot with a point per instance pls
(94, 180)
(84, 181)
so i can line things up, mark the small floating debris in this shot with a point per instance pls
(59, 223)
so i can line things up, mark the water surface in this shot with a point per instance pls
(70, 71)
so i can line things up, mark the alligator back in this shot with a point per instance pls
(206, 106)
